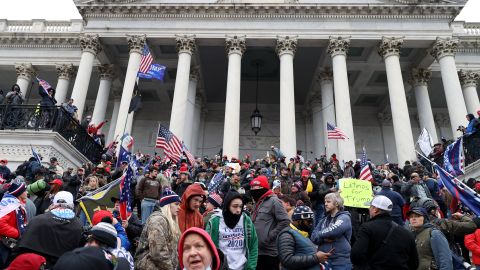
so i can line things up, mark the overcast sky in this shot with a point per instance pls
(66, 10)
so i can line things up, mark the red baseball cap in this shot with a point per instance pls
(306, 173)
(56, 181)
(260, 181)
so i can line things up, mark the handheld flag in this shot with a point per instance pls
(460, 191)
(171, 145)
(125, 193)
(453, 158)
(100, 199)
(190, 157)
(35, 155)
(44, 84)
(8, 204)
(365, 173)
(425, 142)
(147, 59)
(214, 184)
(125, 149)
(335, 133)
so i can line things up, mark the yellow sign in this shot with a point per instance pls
(355, 192)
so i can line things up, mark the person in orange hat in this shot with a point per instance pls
(42, 203)
(269, 217)
(189, 214)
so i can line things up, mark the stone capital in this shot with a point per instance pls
(389, 46)
(286, 45)
(65, 71)
(25, 70)
(195, 73)
(444, 47)
(338, 45)
(107, 72)
(185, 44)
(325, 76)
(117, 92)
(315, 101)
(90, 43)
(469, 78)
(136, 43)
(235, 45)
(420, 76)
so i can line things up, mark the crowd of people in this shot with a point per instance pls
(234, 213)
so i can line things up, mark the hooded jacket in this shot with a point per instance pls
(188, 218)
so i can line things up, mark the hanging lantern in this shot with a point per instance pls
(256, 121)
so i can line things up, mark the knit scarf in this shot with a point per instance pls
(269, 193)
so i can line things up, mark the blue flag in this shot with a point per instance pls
(35, 155)
(460, 191)
(156, 71)
(125, 149)
(453, 158)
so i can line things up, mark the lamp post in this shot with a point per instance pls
(256, 117)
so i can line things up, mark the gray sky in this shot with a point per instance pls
(66, 10)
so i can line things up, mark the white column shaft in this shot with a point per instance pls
(317, 126)
(127, 92)
(424, 109)
(179, 104)
(453, 93)
(101, 102)
(471, 99)
(343, 111)
(61, 90)
(129, 126)
(288, 139)
(328, 110)
(24, 84)
(113, 120)
(231, 128)
(189, 115)
(400, 117)
(82, 81)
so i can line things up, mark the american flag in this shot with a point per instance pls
(125, 193)
(171, 145)
(146, 61)
(335, 133)
(365, 173)
(44, 84)
(454, 159)
(214, 184)
(189, 155)
(167, 173)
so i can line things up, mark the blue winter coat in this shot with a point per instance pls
(398, 203)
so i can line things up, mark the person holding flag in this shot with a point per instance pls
(47, 92)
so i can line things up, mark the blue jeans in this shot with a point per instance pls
(147, 209)
(338, 267)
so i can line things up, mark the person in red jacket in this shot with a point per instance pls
(12, 224)
(472, 243)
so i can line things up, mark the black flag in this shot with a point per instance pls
(136, 102)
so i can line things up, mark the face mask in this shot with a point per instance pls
(304, 227)
(257, 193)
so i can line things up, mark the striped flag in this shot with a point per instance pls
(335, 133)
(453, 158)
(44, 84)
(189, 155)
(171, 145)
(146, 61)
(365, 173)
(214, 184)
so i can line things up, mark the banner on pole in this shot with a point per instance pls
(355, 192)
(156, 71)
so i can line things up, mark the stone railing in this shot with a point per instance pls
(41, 26)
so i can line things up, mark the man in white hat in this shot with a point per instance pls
(381, 243)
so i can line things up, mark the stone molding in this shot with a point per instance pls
(235, 45)
(107, 72)
(117, 92)
(389, 46)
(315, 100)
(90, 43)
(286, 45)
(25, 70)
(420, 76)
(324, 76)
(65, 71)
(269, 11)
(185, 44)
(338, 45)
(136, 43)
(39, 42)
(444, 47)
(469, 78)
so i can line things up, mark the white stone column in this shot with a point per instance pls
(235, 47)
(135, 45)
(338, 48)
(286, 48)
(325, 78)
(65, 73)
(444, 51)
(190, 110)
(317, 125)
(420, 79)
(129, 125)
(469, 82)
(116, 106)
(25, 73)
(107, 74)
(90, 45)
(196, 125)
(185, 48)
(389, 49)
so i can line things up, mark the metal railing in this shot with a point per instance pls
(471, 147)
(55, 118)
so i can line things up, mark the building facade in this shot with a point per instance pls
(381, 71)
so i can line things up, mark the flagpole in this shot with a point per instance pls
(155, 143)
